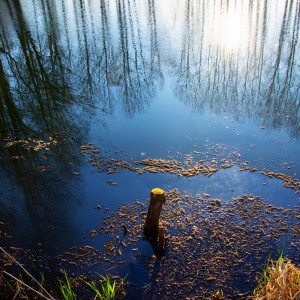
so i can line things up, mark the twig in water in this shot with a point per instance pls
(28, 274)
(27, 286)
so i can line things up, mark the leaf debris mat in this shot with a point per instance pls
(32, 144)
(211, 245)
(210, 162)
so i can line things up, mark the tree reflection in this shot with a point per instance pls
(8, 109)
(248, 81)
(36, 101)
(107, 53)
(62, 61)
(55, 71)
(136, 72)
(39, 83)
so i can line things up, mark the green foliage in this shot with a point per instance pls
(66, 289)
(23, 290)
(108, 288)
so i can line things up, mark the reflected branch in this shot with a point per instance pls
(245, 81)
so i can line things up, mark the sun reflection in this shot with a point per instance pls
(232, 33)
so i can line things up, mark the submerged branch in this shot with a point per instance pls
(27, 286)
(28, 274)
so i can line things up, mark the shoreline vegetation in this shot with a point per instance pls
(279, 280)
(26, 286)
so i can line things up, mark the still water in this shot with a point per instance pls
(141, 79)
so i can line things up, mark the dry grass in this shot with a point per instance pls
(280, 281)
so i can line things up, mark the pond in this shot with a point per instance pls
(102, 101)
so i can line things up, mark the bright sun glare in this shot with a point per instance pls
(232, 31)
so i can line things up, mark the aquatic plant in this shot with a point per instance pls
(146, 288)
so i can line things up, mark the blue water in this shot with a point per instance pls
(142, 80)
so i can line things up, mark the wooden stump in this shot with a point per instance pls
(152, 229)
(157, 199)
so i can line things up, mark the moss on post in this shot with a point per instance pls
(157, 199)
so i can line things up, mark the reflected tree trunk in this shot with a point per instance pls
(279, 53)
(9, 114)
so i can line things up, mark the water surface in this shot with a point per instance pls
(141, 79)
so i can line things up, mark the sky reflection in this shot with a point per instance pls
(154, 77)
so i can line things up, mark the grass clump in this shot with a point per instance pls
(66, 288)
(280, 281)
(34, 289)
(108, 287)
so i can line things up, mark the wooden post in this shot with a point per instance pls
(157, 199)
